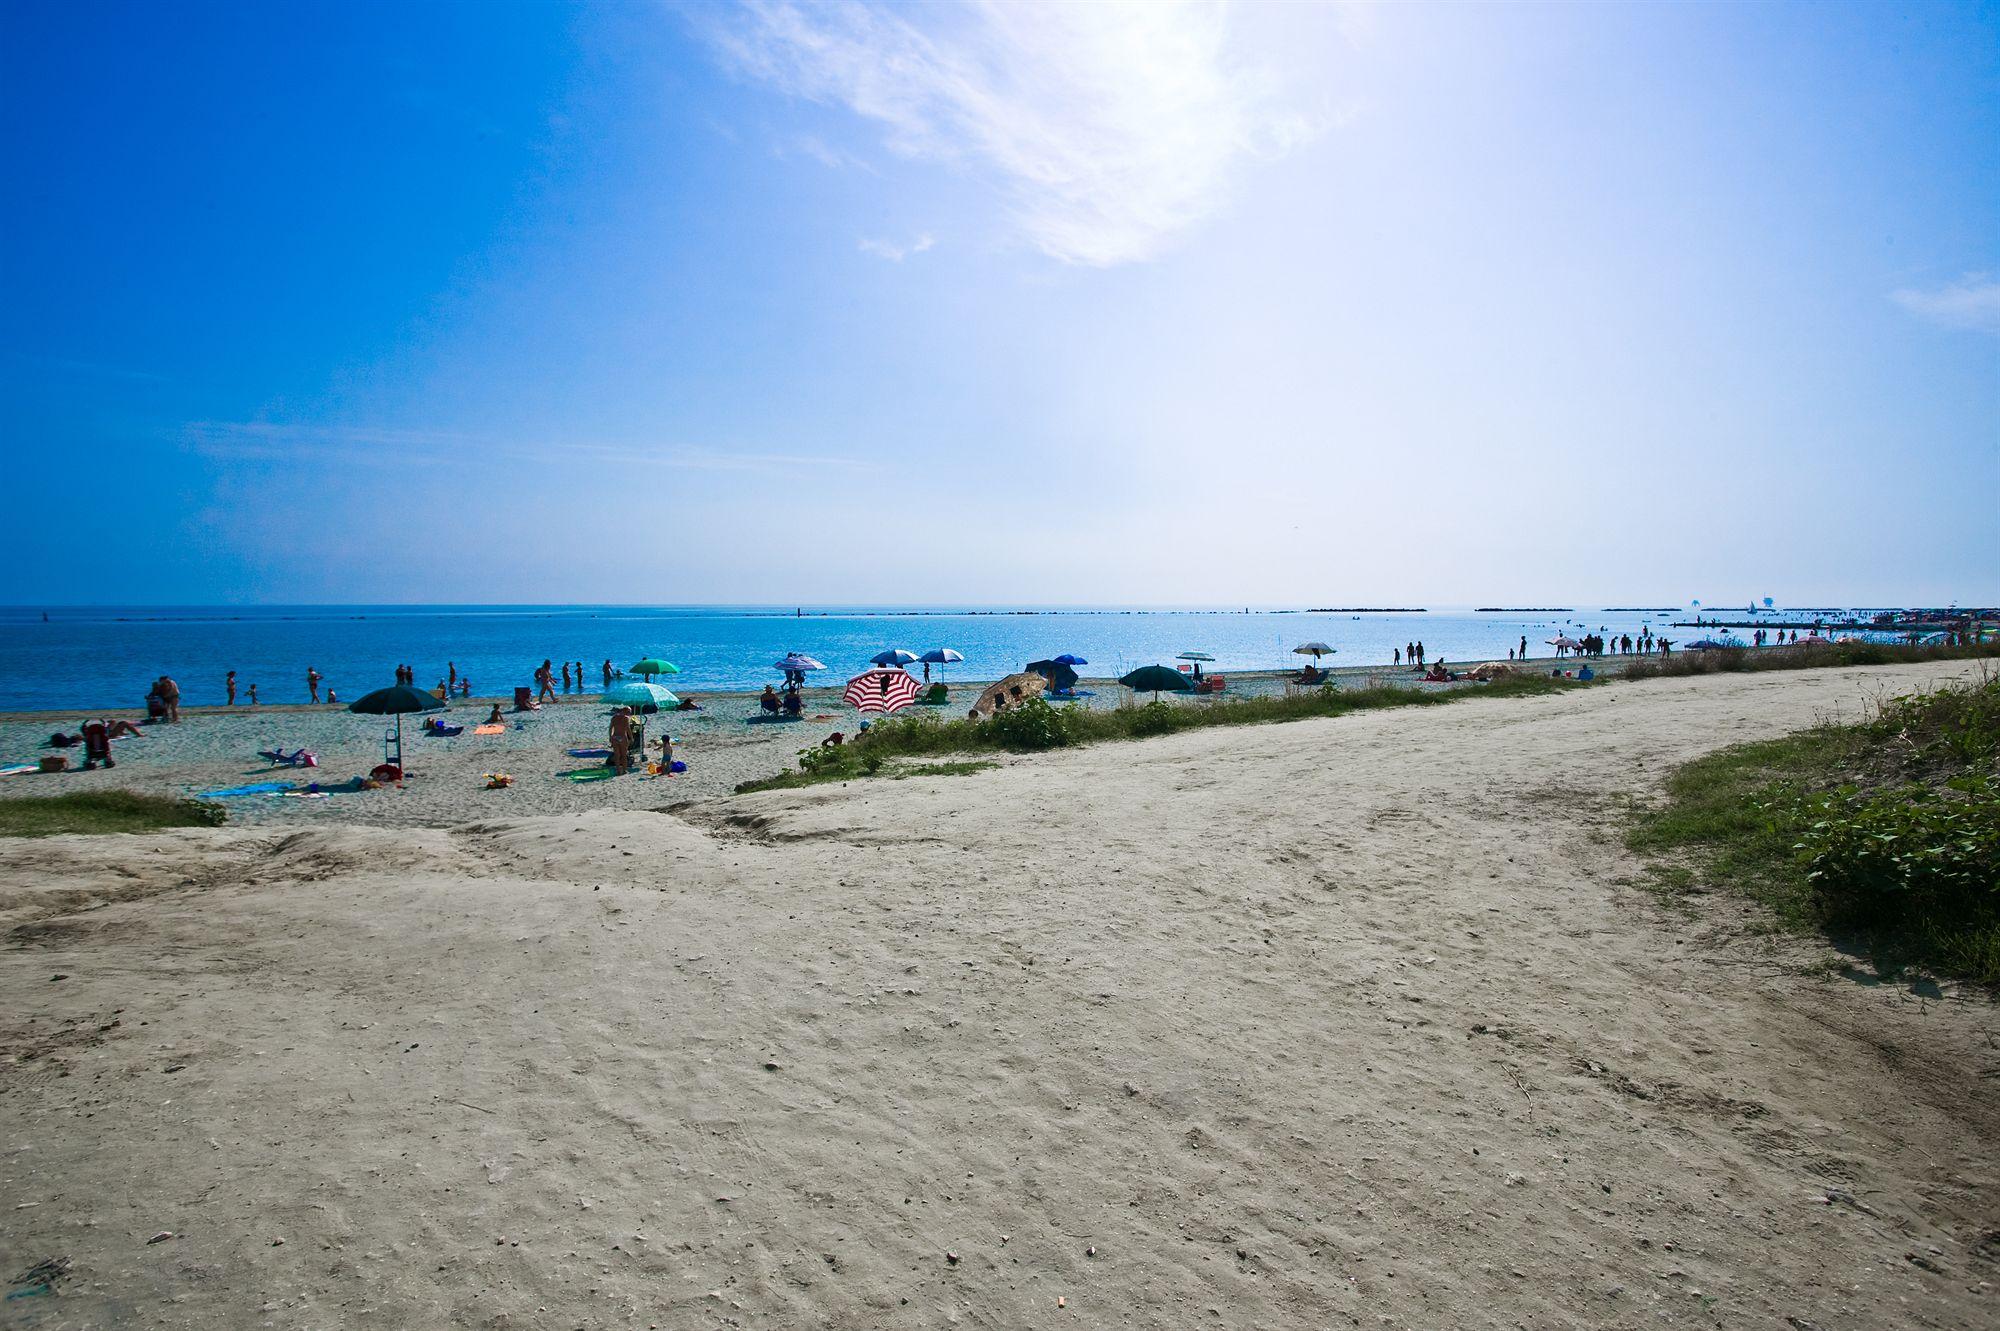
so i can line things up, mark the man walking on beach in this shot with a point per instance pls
(312, 683)
(546, 677)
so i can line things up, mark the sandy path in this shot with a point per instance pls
(1345, 1022)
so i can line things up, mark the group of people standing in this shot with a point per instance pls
(1596, 644)
(572, 678)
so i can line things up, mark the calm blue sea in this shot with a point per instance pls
(108, 656)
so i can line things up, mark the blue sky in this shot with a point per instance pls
(1151, 304)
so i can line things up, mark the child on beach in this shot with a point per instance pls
(253, 695)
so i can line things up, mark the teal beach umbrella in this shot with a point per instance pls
(653, 665)
(647, 697)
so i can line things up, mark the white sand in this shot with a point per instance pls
(1346, 1022)
(724, 745)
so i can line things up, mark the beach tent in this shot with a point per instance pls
(1009, 692)
(885, 689)
(895, 656)
(647, 697)
(398, 700)
(1060, 677)
(653, 665)
(1158, 679)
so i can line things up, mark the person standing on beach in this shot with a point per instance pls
(312, 683)
(565, 677)
(607, 673)
(230, 685)
(1395, 656)
(546, 677)
(253, 695)
(170, 694)
(621, 740)
(451, 675)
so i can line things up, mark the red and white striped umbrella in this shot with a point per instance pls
(885, 690)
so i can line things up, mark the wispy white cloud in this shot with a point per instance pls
(350, 445)
(1111, 127)
(894, 252)
(1971, 302)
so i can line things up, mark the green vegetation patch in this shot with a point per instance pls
(101, 811)
(1803, 656)
(1885, 835)
(1038, 725)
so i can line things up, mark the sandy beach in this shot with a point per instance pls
(724, 745)
(1366, 1021)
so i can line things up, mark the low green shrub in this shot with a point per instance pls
(1885, 832)
(1910, 857)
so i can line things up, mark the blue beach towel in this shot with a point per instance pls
(261, 788)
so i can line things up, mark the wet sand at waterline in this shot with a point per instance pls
(1357, 1021)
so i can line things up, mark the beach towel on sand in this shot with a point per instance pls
(489, 730)
(260, 788)
(590, 774)
(18, 769)
(590, 753)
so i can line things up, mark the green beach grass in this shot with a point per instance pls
(1039, 725)
(1042, 725)
(1883, 835)
(102, 811)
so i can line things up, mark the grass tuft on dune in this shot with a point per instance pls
(1885, 834)
(96, 812)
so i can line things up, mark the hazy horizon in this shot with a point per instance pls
(1181, 305)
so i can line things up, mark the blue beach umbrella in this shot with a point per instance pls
(797, 661)
(939, 656)
(895, 656)
(1069, 660)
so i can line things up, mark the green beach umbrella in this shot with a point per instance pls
(653, 665)
(397, 700)
(1157, 679)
